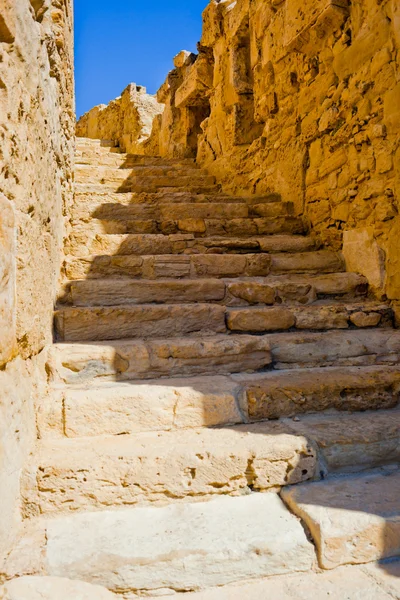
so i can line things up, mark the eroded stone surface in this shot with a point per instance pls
(127, 120)
(52, 588)
(154, 406)
(185, 547)
(352, 520)
(123, 470)
(350, 583)
(286, 393)
(37, 130)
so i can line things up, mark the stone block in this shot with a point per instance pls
(363, 255)
(220, 541)
(350, 583)
(52, 588)
(323, 16)
(352, 520)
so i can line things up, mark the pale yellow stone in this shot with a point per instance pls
(127, 120)
(350, 583)
(352, 520)
(52, 588)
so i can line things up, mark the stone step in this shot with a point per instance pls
(292, 392)
(147, 186)
(126, 180)
(372, 582)
(87, 474)
(176, 211)
(114, 159)
(146, 320)
(126, 264)
(74, 324)
(172, 404)
(123, 174)
(139, 359)
(88, 199)
(321, 315)
(83, 243)
(352, 519)
(302, 289)
(99, 233)
(124, 360)
(177, 547)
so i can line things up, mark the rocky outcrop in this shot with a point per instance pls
(36, 163)
(127, 120)
(300, 98)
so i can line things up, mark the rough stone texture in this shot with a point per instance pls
(352, 442)
(187, 547)
(126, 121)
(139, 359)
(352, 520)
(36, 140)
(300, 99)
(83, 474)
(52, 588)
(345, 583)
(287, 393)
(153, 406)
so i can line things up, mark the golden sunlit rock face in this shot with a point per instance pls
(301, 99)
(36, 164)
(127, 120)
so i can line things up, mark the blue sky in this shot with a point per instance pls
(120, 41)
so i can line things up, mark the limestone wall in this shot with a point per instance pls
(127, 120)
(36, 156)
(303, 99)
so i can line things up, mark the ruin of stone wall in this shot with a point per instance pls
(36, 159)
(301, 99)
(127, 120)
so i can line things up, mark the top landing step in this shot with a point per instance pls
(106, 153)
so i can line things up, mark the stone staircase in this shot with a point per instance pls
(208, 350)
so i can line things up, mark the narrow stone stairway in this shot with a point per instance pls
(208, 350)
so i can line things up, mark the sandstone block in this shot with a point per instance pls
(363, 255)
(53, 588)
(260, 319)
(353, 519)
(345, 582)
(136, 359)
(361, 319)
(323, 261)
(286, 393)
(123, 470)
(345, 348)
(219, 542)
(351, 443)
(113, 292)
(134, 407)
(252, 292)
(110, 323)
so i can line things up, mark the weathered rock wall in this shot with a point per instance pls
(127, 120)
(36, 157)
(303, 99)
